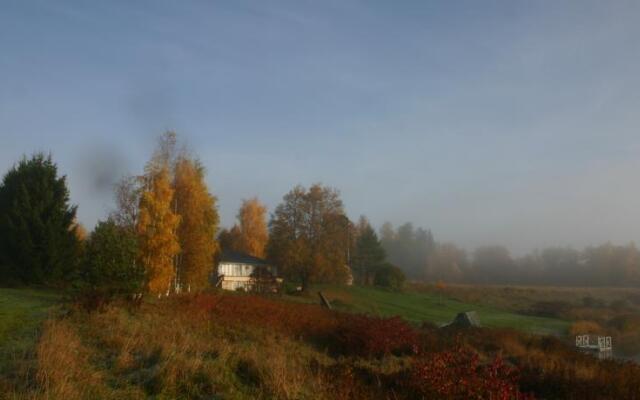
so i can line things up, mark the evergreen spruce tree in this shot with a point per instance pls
(38, 243)
(369, 253)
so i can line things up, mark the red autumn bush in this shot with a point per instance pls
(300, 320)
(348, 334)
(369, 336)
(457, 374)
(548, 368)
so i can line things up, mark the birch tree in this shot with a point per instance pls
(252, 219)
(156, 230)
(198, 224)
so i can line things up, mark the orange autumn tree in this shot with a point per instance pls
(156, 229)
(198, 224)
(254, 235)
(79, 231)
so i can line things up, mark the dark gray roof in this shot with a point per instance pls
(241, 258)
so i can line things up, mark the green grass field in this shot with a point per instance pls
(23, 310)
(21, 313)
(516, 298)
(417, 307)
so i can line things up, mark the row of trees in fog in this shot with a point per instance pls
(164, 236)
(603, 265)
(422, 258)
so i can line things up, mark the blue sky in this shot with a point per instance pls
(512, 122)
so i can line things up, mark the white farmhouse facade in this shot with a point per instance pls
(239, 271)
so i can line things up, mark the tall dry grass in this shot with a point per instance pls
(64, 370)
(162, 351)
(188, 348)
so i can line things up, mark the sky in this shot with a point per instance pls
(495, 122)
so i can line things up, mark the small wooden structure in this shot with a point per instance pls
(324, 301)
(467, 319)
(599, 346)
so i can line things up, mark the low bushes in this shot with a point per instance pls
(457, 374)
(108, 269)
(298, 320)
(390, 277)
(585, 327)
(593, 302)
(366, 336)
(246, 347)
(441, 365)
(550, 309)
(347, 334)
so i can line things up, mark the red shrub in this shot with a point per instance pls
(347, 333)
(456, 374)
(370, 336)
(299, 320)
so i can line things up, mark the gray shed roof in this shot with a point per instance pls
(466, 320)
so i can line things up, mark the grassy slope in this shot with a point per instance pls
(516, 298)
(21, 313)
(418, 306)
(171, 348)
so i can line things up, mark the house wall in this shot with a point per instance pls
(234, 269)
(237, 275)
(234, 283)
(237, 269)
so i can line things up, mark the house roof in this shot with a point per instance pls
(241, 258)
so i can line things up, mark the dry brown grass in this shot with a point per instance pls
(585, 327)
(168, 350)
(64, 370)
(160, 352)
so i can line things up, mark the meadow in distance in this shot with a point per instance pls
(132, 308)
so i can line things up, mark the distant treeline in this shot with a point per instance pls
(422, 258)
(164, 236)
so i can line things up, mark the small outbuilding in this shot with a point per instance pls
(467, 319)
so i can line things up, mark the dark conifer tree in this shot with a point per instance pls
(37, 239)
(369, 254)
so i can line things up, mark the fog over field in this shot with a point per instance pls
(508, 122)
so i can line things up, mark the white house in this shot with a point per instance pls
(239, 271)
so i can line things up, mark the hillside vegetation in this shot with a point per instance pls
(237, 346)
(557, 311)
(21, 312)
(418, 307)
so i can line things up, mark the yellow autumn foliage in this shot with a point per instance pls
(156, 228)
(199, 223)
(253, 235)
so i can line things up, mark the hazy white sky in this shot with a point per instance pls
(512, 122)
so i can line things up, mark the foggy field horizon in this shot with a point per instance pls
(513, 123)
